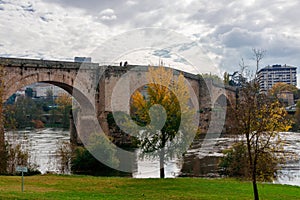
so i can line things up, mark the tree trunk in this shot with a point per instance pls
(255, 190)
(252, 164)
(162, 163)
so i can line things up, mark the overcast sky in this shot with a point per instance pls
(225, 30)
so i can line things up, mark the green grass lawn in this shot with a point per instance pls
(87, 187)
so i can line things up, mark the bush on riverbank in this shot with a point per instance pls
(16, 156)
(84, 163)
(235, 164)
(87, 160)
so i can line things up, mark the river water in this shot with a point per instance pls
(43, 144)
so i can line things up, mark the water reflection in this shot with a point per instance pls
(208, 166)
(195, 165)
(149, 168)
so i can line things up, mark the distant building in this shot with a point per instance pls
(83, 59)
(270, 75)
(42, 89)
(286, 97)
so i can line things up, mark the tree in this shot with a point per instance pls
(236, 79)
(282, 87)
(49, 94)
(214, 78)
(22, 113)
(64, 102)
(16, 156)
(29, 92)
(297, 116)
(9, 121)
(259, 119)
(226, 78)
(166, 131)
(88, 160)
(258, 55)
(243, 67)
(64, 156)
(284, 92)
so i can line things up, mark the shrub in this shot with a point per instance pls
(235, 163)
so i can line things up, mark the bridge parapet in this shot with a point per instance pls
(34, 63)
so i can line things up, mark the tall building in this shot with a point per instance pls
(270, 75)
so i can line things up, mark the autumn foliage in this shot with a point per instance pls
(64, 102)
(282, 87)
(164, 111)
(257, 120)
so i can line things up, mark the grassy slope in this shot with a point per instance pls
(86, 187)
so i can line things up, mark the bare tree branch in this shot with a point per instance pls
(258, 55)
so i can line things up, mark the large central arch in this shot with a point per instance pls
(17, 78)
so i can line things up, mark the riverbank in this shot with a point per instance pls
(87, 187)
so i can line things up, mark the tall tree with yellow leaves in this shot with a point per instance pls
(166, 113)
(259, 119)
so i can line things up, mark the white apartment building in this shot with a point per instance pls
(270, 75)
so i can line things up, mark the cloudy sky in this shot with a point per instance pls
(225, 30)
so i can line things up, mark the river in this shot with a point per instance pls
(43, 144)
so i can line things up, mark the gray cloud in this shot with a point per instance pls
(226, 30)
(237, 38)
(134, 14)
(28, 8)
(94, 6)
(163, 53)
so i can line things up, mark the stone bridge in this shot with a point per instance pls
(94, 87)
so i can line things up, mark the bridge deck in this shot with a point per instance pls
(34, 63)
(54, 64)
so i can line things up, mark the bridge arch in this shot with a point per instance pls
(223, 100)
(63, 80)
